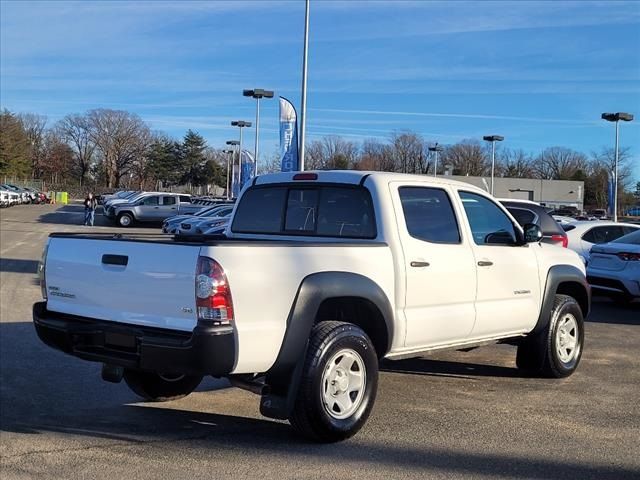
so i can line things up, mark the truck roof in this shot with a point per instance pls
(355, 177)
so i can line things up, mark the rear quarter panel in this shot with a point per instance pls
(264, 281)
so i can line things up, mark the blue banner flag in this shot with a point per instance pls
(610, 192)
(288, 137)
(245, 174)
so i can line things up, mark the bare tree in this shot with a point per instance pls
(560, 163)
(376, 155)
(122, 139)
(466, 158)
(34, 126)
(331, 153)
(409, 152)
(76, 131)
(515, 164)
(58, 158)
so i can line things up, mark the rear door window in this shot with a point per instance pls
(168, 200)
(603, 234)
(151, 201)
(429, 215)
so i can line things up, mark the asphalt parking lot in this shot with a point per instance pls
(453, 415)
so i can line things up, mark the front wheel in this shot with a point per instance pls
(157, 387)
(339, 383)
(555, 351)
(125, 220)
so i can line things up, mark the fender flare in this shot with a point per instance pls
(284, 376)
(557, 275)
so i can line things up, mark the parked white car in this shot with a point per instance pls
(585, 234)
(562, 220)
(171, 224)
(197, 225)
(614, 268)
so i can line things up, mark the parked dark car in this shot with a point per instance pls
(525, 212)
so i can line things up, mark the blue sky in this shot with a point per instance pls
(539, 73)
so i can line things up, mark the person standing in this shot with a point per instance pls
(90, 204)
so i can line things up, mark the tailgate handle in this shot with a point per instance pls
(109, 259)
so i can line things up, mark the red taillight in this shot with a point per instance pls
(561, 239)
(305, 176)
(629, 257)
(213, 295)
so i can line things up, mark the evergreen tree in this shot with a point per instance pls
(165, 161)
(194, 159)
(15, 147)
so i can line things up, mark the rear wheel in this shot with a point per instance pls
(157, 387)
(339, 383)
(556, 350)
(125, 220)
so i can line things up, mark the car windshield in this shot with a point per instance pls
(632, 238)
(208, 211)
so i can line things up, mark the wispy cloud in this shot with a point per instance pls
(474, 116)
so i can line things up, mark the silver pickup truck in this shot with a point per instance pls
(151, 207)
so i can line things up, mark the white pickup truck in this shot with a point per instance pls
(320, 276)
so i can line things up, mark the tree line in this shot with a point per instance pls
(105, 148)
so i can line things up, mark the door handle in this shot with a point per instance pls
(419, 264)
(121, 260)
(485, 263)
(156, 208)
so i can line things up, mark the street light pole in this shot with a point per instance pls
(240, 124)
(229, 160)
(303, 109)
(233, 143)
(436, 148)
(616, 117)
(493, 139)
(257, 93)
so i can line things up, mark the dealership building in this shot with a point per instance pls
(550, 193)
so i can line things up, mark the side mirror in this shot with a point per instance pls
(532, 233)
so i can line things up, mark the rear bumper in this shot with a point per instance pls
(205, 351)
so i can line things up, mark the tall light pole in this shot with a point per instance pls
(436, 148)
(493, 139)
(240, 124)
(233, 143)
(229, 160)
(257, 93)
(616, 117)
(303, 109)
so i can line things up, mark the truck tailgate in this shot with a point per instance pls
(143, 283)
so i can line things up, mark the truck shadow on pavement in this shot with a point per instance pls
(442, 368)
(44, 392)
(605, 311)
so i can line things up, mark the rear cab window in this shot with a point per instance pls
(341, 211)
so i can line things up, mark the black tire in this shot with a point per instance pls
(125, 220)
(154, 387)
(540, 355)
(311, 415)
